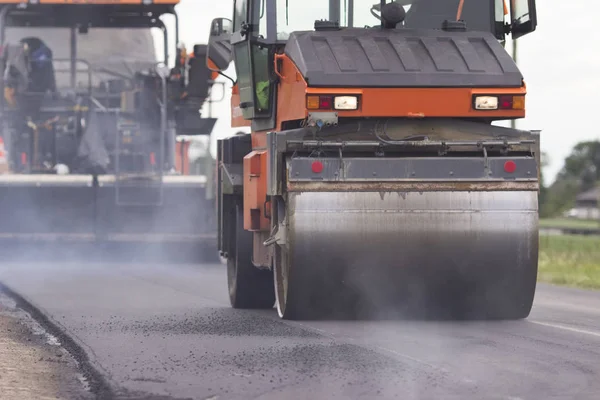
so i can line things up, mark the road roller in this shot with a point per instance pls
(378, 179)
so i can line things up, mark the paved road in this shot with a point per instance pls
(169, 331)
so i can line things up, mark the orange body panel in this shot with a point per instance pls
(388, 102)
(255, 191)
(419, 102)
(259, 140)
(291, 89)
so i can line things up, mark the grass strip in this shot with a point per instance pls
(570, 260)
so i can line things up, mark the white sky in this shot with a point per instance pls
(559, 63)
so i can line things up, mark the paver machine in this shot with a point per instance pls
(375, 182)
(90, 121)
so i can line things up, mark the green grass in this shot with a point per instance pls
(570, 260)
(569, 223)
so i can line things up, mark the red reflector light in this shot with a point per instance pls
(23, 158)
(510, 166)
(317, 167)
(506, 102)
(152, 159)
(325, 102)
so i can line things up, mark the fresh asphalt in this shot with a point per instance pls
(168, 332)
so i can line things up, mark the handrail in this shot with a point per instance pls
(77, 60)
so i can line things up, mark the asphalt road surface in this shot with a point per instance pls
(163, 330)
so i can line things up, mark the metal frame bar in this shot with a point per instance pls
(271, 15)
(3, 14)
(151, 23)
(414, 144)
(176, 16)
(417, 186)
(73, 52)
(165, 44)
(413, 169)
(100, 15)
(351, 13)
(334, 11)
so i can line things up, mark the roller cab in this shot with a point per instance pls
(375, 181)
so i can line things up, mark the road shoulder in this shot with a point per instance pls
(33, 363)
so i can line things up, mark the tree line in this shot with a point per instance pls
(580, 172)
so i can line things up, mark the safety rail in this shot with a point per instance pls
(69, 70)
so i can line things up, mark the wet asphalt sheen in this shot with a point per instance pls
(167, 332)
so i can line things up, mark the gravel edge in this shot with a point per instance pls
(97, 383)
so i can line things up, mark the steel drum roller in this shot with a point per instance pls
(455, 254)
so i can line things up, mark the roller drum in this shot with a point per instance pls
(455, 254)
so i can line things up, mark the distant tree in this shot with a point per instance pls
(559, 197)
(580, 172)
(583, 164)
(544, 161)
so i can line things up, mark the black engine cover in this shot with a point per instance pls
(402, 58)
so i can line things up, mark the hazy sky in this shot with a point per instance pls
(559, 62)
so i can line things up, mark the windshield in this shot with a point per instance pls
(113, 53)
(300, 15)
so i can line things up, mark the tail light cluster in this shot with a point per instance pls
(502, 102)
(331, 102)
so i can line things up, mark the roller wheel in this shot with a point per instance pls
(297, 295)
(286, 307)
(249, 287)
(281, 271)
